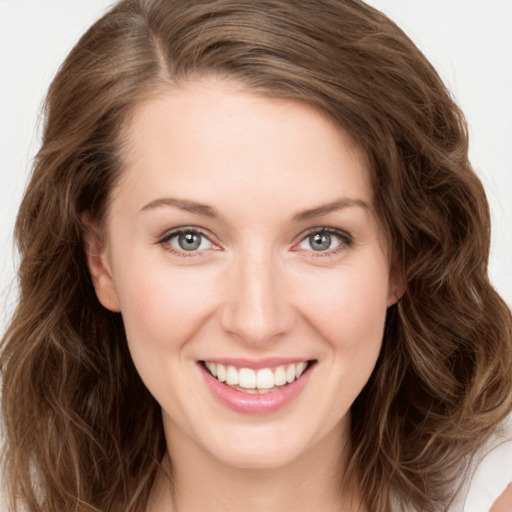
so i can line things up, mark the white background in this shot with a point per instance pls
(469, 41)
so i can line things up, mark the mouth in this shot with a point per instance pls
(258, 381)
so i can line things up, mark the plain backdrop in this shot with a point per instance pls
(469, 42)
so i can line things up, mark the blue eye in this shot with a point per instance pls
(324, 241)
(320, 241)
(187, 240)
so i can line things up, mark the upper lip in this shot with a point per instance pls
(256, 364)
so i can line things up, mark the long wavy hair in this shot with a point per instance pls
(81, 432)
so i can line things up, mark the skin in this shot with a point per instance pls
(255, 289)
(504, 502)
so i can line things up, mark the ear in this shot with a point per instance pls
(397, 285)
(99, 266)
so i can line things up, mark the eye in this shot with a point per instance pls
(186, 240)
(325, 240)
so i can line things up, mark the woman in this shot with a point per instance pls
(178, 344)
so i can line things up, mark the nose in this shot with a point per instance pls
(257, 308)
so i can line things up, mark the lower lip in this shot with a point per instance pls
(246, 403)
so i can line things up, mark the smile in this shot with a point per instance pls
(263, 388)
(264, 380)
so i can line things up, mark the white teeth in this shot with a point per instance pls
(250, 380)
(231, 376)
(290, 373)
(300, 368)
(221, 373)
(265, 379)
(280, 376)
(247, 378)
(213, 368)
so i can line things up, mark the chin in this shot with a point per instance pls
(254, 458)
(264, 446)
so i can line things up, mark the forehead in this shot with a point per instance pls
(214, 137)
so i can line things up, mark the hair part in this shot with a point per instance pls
(443, 379)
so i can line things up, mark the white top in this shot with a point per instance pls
(490, 473)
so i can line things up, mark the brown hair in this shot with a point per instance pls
(81, 430)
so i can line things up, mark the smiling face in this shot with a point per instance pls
(241, 241)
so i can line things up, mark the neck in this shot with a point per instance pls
(201, 482)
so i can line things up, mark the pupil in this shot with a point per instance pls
(189, 241)
(320, 241)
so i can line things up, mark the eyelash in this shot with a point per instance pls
(165, 239)
(345, 239)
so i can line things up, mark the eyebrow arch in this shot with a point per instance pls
(339, 204)
(182, 204)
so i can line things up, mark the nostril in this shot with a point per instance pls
(255, 324)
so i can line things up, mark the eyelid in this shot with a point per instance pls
(164, 239)
(346, 240)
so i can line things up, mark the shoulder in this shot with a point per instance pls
(504, 502)
(488, 483)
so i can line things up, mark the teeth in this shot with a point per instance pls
(280, 376)
(247, 378)
(291, 373)
(252, 381)
(300, 368)
(213, 368)
(221, 373)
(265, 379)
(231, 376)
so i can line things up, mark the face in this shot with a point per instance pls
(241, 246)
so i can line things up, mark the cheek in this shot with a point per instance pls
(162, 307)
(348, 306)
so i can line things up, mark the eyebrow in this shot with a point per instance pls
(339, 204)
(208, 211)
(182, 204)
